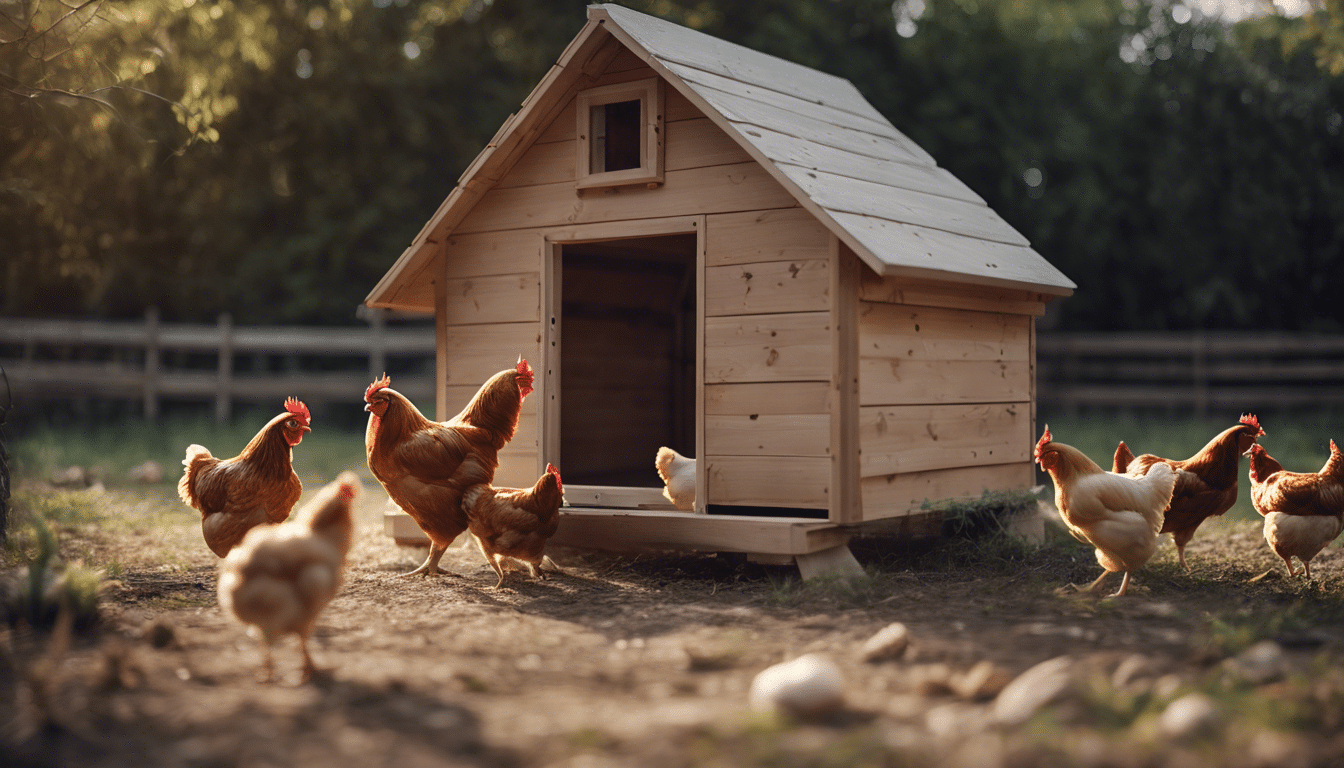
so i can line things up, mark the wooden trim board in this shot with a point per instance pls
(633, 529)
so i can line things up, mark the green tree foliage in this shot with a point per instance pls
(274, 157)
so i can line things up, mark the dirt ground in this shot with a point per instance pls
(647, 659)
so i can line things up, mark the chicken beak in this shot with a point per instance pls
(368, 407)
(305, 429)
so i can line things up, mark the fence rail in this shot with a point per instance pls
(1199, 371)
(145, 360)
(137, 360)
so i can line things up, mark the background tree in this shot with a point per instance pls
(1184, 173)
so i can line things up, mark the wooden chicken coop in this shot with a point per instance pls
(706, 247)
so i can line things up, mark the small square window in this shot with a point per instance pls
(620, 134)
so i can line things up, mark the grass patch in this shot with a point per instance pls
(40, 587)
(791, 591)
(110, 451)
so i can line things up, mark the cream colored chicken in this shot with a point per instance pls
(280, 577)
(1120, 515)
(678, 474)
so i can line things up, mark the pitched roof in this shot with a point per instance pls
(877, 190)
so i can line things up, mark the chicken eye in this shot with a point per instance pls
(291, 423)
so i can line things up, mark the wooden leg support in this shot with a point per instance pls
(836, 562)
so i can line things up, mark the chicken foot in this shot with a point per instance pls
(431, 565)
(1124, 584)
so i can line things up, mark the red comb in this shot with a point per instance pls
(551, 470)
(525, 377)
(1045, 438)
(1249, 420)
(377, 384)
(297, 408)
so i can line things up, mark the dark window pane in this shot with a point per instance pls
(622, 136)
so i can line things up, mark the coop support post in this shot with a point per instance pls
(835, 562)
(224, 387)
(150, 387)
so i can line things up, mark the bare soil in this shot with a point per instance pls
(647, 659)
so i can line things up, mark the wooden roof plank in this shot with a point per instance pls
(805, 128)
(839, 193)
(675, 43)
(920, 252)
(788, 150)
(700, 77)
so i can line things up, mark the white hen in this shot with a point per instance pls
(678, 474)
(280, 577)
(1118, 514)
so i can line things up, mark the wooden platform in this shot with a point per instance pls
(638, 529)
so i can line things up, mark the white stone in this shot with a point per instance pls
(1043, 684)
(1194, 714)
(889, 643)
(1262, 663)
(810, 686)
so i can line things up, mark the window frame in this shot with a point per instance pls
(649, 93)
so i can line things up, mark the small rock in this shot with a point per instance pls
(1043, 684)
(983, 681)
(73, 475)
(147, 472)
(1262, 663)
(889, 643)
(1135, 667)
(1167, 685)
(810, 686)
(1190, 716)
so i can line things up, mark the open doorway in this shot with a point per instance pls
(627, 361)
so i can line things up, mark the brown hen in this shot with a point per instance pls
(516, 522)
(257, 486)
(1206, 483)
(426, 465)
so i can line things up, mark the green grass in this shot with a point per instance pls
(1298, 443)
(111, 450)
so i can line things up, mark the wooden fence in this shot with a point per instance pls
(1201, 372)
(223, 363)
(151, 360)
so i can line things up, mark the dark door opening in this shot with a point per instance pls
(627, 358)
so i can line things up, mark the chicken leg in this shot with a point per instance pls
(1093, 586)
(431, 565)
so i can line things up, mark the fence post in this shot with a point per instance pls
(1199, 372)
(224, 391)
(150, 388)
(377, 343)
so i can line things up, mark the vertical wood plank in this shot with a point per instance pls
(701, 486)
(845, 497)
(549, 394)
(441, 346)
(1031, 415)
